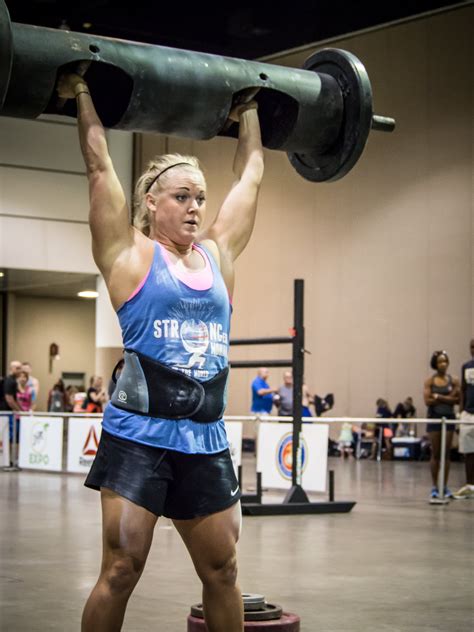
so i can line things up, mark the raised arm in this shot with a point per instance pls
(109, 214)
(235, 220)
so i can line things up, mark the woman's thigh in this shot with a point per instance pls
(127, 528)
(211, 539)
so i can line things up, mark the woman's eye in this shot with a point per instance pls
(181, 198)
(201, 200)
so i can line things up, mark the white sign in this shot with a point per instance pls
(41, 443)
(82, 443)
(4, 441)
(275, 455)
(234, 436)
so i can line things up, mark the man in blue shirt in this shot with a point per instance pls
(262, 394)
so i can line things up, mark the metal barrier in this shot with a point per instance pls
(15, 418)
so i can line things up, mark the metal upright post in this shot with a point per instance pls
(442, 461)
(296, 494)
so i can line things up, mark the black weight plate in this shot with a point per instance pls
(268, 613)
(356, 91)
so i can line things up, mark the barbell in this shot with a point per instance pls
(320, 115)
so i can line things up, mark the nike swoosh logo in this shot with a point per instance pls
(233, 492)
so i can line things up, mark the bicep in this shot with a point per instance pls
(235, 221)
(109, 215)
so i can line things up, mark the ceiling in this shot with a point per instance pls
(46, 283)
(247, 30)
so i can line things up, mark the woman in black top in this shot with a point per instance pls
(441, 394)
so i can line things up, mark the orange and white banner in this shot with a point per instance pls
(82, 443)
(4, 441)
(41, 443)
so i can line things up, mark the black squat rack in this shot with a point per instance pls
(296, 500)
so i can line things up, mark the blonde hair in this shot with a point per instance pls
(141, 214)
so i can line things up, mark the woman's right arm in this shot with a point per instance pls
(109, 220)
(427, 394)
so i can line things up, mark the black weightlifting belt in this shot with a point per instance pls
(147, 387)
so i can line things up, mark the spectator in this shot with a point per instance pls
(70, 398)
(10, 390)
(33, 384)
(96, 396)
(383, 432)
(346, 440)
(466, 431)
(262, 394)
(57, 398)
(441, 393)
(10, 386)
(284, 397)
(404, 410)
(24, 395)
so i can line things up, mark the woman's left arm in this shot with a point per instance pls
(453, 397)
(233, 226)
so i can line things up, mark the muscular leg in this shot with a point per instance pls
(211, 543)
(127, 533)
(435, 438)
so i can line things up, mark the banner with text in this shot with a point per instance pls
(82, 443)
(275, 455)
(41, 443)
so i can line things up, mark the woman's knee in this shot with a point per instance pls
(222, 573)
(122, 574)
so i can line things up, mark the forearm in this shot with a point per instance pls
(248, 160)
(91, 132)
(265, 391)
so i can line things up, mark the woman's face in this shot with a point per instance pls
(23, 379)
(178, 207)
(442, 363)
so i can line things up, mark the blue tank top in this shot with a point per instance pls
(187, 330)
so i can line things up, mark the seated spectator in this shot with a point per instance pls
(346, 440)
(70, 398)
(57, 398)
(96, 396)
(404, 410)
(24, 394)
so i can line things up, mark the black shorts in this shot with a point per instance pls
(166, 482)
(437, 427)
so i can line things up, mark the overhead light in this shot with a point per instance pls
(88, 294)
(2, 274)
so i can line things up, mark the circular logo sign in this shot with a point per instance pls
(284, 455)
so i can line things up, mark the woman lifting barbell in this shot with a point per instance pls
(163, 450)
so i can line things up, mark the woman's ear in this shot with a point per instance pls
(150, 202)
